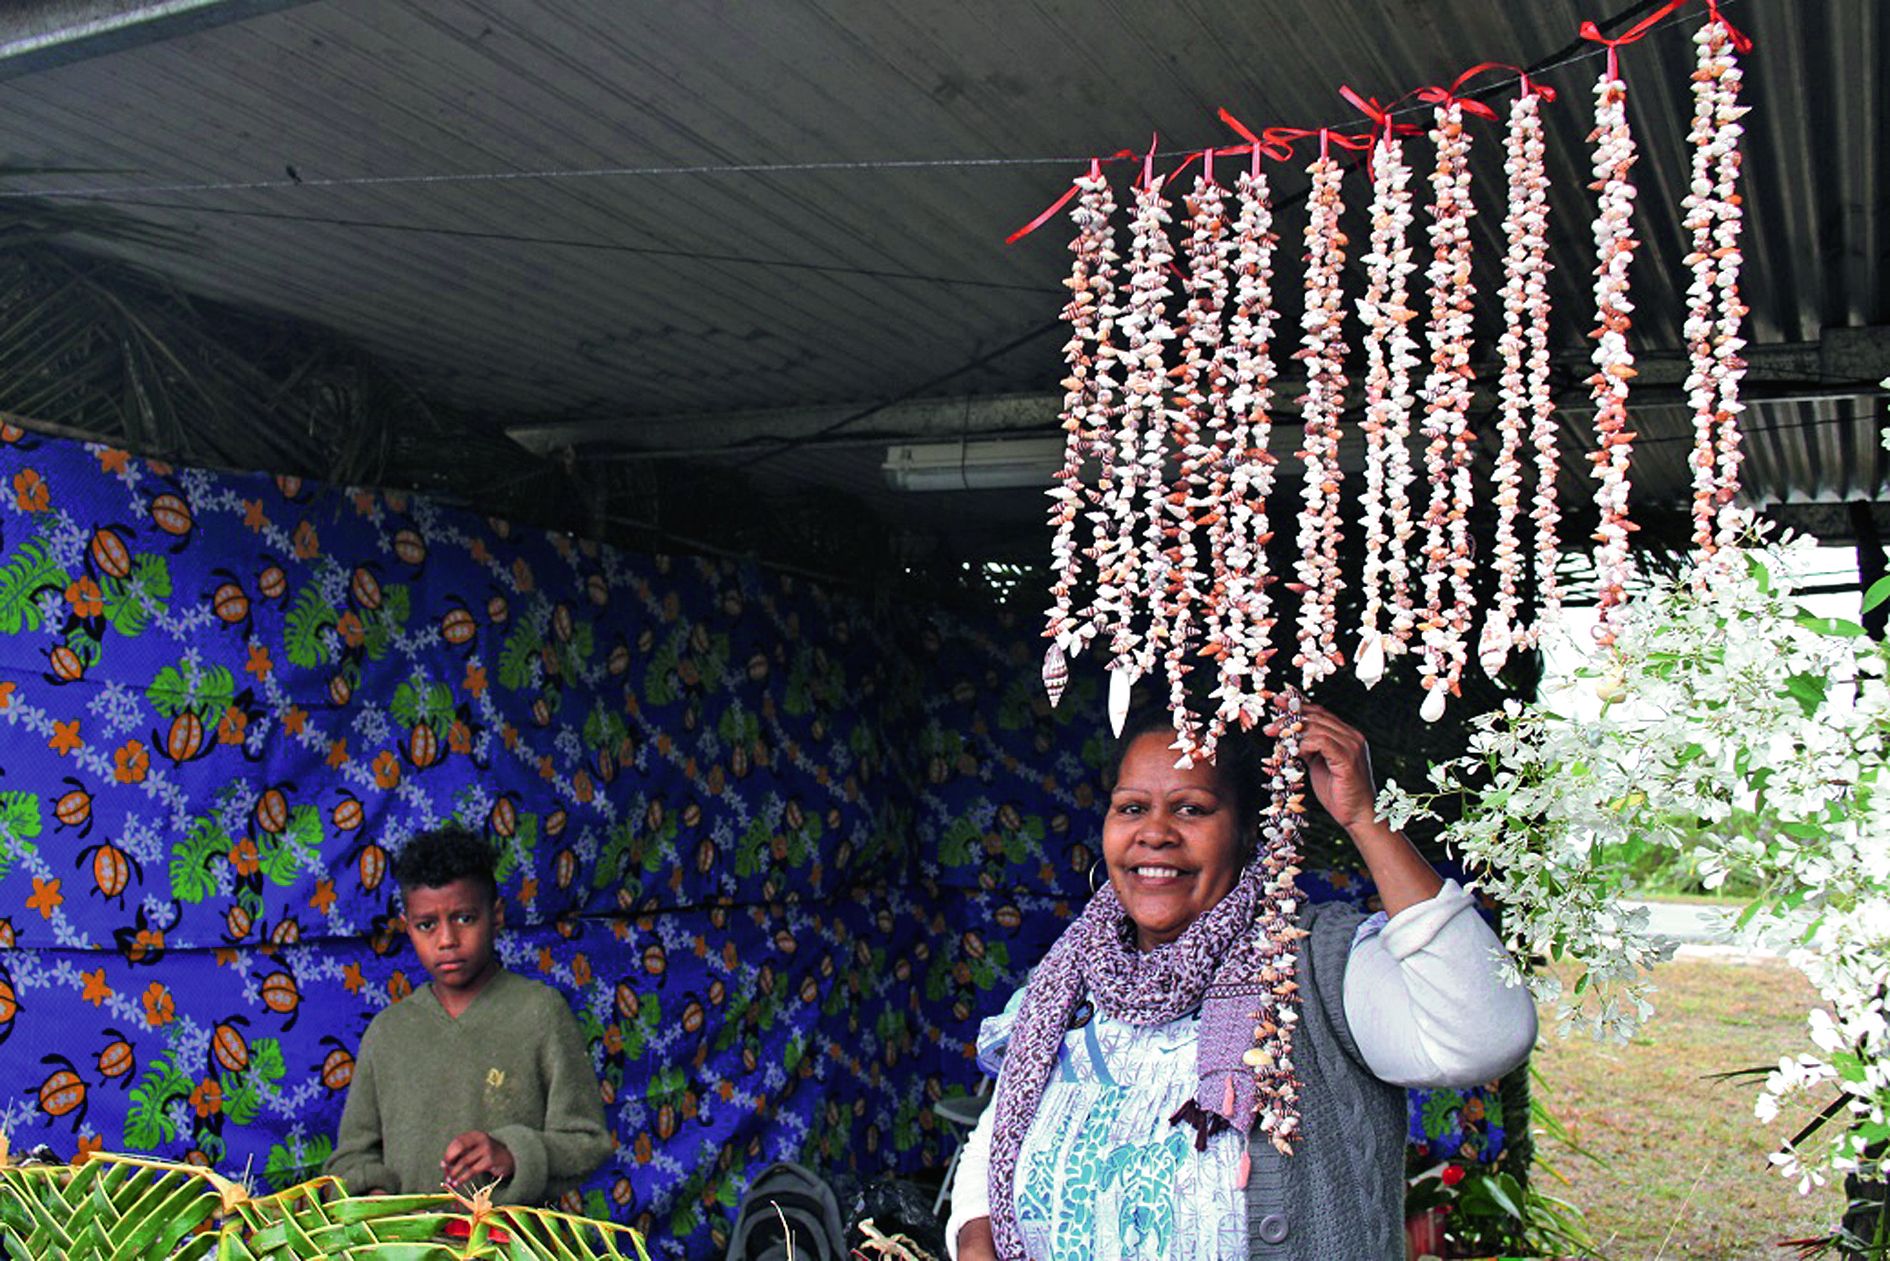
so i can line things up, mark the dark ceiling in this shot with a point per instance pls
(766, 239)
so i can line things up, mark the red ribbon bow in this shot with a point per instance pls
(1443, 96)
(1589, 31)
(1379, 114)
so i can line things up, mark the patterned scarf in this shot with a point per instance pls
(1096, 957)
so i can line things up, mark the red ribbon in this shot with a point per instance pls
(1379, 114)
(1095, 169)
(1589, 31)
(1442, 96)
(1283, 138)
(1255, 145)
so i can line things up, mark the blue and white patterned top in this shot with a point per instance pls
(1103, 1173)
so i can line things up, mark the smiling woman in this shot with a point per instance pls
(1125, 1120)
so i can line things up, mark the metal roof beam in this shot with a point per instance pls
(1843, 363)
(42, 34)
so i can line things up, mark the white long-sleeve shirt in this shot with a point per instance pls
(1425, 999)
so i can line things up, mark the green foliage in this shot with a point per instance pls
(288, 1165)
(517, 655)
(20, 821)
(417, 700)
(130, 602)
(519, 850)
(282, 857)
(379, 627)
(303, 630)
(660, 683)
(119, 1206)
(604, 728)
(148, 1122)
(207, 693)
(959, 842)
(192, 877)
(31, 571)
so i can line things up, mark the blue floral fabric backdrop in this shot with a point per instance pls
(780, 849)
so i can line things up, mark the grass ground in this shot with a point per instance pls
(1686, 1178)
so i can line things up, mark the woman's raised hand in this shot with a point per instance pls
(1339, 764)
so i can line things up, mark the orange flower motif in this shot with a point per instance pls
(580, 970)
(89, 1144)
(85, 597)
(46, 897)
(132, 763)
(509, 734)
(245, 857)
(295, 721)
(398, 986)
(65, 737)
(6, 695)
(351, 978)
(475, 682)
(259, 663)
(207, 1098)
(386, 769)
(479, 552)
(159, 1009)
(522, 575)
(234, 722)
(528, 890)
(350, 629)
(308, 544)
(30, 492)
(363, 502)
(96, 991)
(253, 515)
(112, 460)
(226, 957)
(324, 896)
(545, 961)
(546, 769)
(337, 754)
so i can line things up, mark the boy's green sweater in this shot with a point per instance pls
(513, 1064)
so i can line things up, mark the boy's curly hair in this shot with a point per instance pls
(442, 856)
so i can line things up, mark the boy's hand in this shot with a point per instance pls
(476, 1155)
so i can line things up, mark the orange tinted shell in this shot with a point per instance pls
(230, 1048)
(186, 737)
(171, 514)
(110, 554)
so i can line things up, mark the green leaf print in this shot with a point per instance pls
(20, 821)
(302, 635)
(148, 1122)
(131, 602)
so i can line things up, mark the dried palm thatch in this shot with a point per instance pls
(96, 348)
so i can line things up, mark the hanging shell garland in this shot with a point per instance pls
(1390, 354)
(1277, 1012)
(1714, 311)
(1614, 362)
(1199, 398)
(1447, 393)
(1524, 351)
(1128, 566)
(1088, 398)
(1323, 349)
(1243, 635)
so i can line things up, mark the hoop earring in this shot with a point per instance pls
(1095, 884)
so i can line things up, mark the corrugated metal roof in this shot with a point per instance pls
(620, 295)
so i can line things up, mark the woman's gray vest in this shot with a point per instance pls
(1340, 1196)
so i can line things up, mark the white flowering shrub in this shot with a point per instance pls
(1746, 735)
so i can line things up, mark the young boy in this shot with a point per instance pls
(481, 1075)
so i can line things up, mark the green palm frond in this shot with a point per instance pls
(116, 1208)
